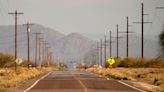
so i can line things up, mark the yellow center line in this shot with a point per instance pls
(81, 83)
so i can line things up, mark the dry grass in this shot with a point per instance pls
(154, 76)
(10, 78)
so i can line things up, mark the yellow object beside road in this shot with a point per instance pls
(111, 61)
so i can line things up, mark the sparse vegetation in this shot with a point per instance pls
(161, 39)
(6, 60)
(11, 78)
(153, 76)
(138, 63)
(135, 69)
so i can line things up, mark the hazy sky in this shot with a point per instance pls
(93, 18)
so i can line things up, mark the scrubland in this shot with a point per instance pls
(9, 77)
(146, 72)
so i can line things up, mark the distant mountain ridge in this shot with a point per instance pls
(72, 47)
(67, 47)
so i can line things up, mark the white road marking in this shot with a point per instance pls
(131, 86)
(36, 82)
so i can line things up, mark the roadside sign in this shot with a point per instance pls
(18, 60)
(111, 61)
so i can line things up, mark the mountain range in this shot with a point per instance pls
(64, 47)
(71, 47)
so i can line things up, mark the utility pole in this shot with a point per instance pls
(97, 53)
(142, 29)
(110, 44)
(142, 34)
(117, 40)
(40, 48)
(101, 52)
(127, 37)
(45, 51)
(105, 41)
(36, 46)
(47, 55)
(51, 57)
(16, 13)
(28, 42)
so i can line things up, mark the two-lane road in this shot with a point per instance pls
(75, 81)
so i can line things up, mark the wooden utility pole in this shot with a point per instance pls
(51, 57)
(105, 41)
(117, 40)
(110, 44)
(36, 46)
(47, 55)
(101, 52)
(28, 43)
(142, 29)
(127, 37)
(97, 53)
(45, 51)
(142, 34)
(40, 48)
(16, 13)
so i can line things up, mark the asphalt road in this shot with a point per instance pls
(74, 81)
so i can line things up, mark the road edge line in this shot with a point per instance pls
(36, 82)
(131, 86)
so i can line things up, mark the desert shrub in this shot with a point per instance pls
(2, 89)
(140, 63)
(154, 63)
(25, 63)
(106, 65)
(127, 62)
(6, 60)
(117, 62)
(118, 77)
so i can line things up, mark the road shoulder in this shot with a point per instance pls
(26, 84)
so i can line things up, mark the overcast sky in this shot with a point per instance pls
(93, 18)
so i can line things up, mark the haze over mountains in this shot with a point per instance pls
(65, 47)
(71, 47)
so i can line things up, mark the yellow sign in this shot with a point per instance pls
(111, 61)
